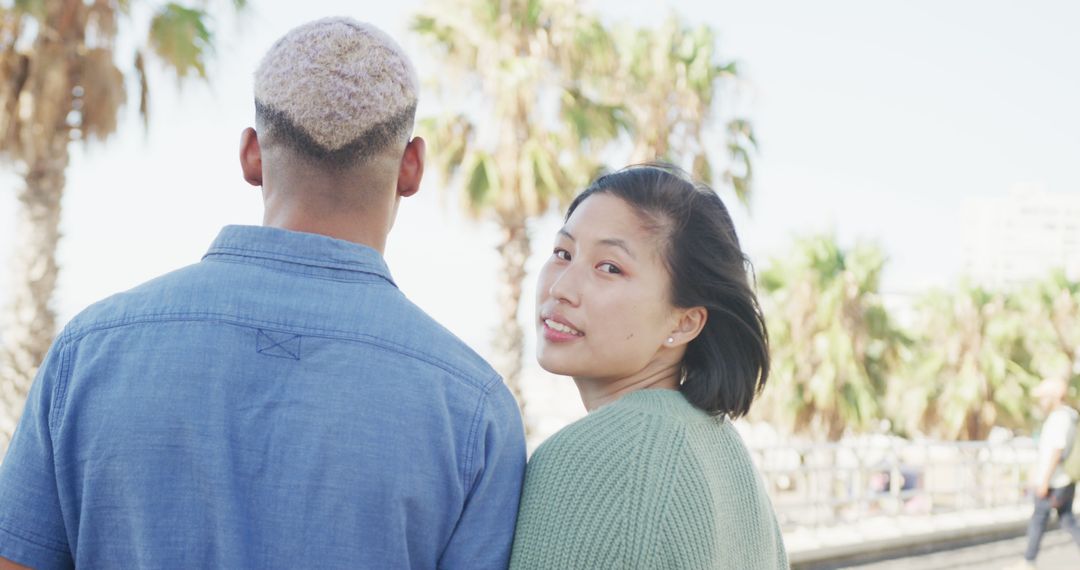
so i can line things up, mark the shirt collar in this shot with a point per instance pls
(312, 250)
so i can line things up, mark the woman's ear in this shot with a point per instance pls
(689, 325)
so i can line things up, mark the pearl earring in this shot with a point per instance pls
(670, 340)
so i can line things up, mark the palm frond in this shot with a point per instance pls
(34, 8)
(181, 38)
(102, 23)
(14, 72)
(451, 136)
(102, 94)
(671, 77)
(481, 182)
(702, 170)
(591, 120)
(144, 88)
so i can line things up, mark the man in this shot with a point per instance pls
(280, 404)
(1051, 486)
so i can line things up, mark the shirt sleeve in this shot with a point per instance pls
(32, 531)
(485, 531)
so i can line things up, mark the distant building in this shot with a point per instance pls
(1013, 239)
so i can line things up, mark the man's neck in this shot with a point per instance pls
(355, 228)
(358, 205)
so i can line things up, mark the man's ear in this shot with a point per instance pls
(251, 157)
(412, 167)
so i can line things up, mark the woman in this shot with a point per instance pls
(646, 303)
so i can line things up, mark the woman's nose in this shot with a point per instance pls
(564, 288)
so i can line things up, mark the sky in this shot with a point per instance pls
(879, 121)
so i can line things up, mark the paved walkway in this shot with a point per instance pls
(1058, 553)
(809, 547)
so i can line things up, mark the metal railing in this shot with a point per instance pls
(815, 485)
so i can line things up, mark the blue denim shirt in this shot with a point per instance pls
(280, 404)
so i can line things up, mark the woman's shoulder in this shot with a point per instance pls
(591, 436)
(637, 421)
(604, 476)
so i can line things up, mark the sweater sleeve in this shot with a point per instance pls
(727, 524)
(627, 491)
(594, 495)
(556, 525)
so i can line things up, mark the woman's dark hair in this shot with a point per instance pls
(726, 366)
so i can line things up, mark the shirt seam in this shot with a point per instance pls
(39, 541)
(473, 443)
(60, 390)
(470, 453)
(362, 266)
(362, 277)
(79, 333)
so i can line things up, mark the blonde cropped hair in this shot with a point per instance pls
(336, 90)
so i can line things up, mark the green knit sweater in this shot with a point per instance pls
(648, 481)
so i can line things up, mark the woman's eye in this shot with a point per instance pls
(609, 268)
(562, 254)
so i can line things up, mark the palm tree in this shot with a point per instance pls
(969, 367)
(515, 161)
(669, 82)
(59, 83)
(1051, 309)
(551, 87)
(833, 345)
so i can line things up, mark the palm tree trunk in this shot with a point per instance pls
(509, 344)
(31, 322)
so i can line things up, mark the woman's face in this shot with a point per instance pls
(603, 309)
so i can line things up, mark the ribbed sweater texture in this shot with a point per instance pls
(648, 481)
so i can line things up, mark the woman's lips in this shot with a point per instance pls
(557, 330)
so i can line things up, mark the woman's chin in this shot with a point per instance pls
(554, 366)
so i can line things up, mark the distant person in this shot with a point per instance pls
(1052, 488)
(280, 404)
(646, 303)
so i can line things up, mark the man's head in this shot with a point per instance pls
(1051, 392)
(335, 104)
(336, 91)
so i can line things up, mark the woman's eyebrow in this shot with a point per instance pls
(621, 244)
(612, 242)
